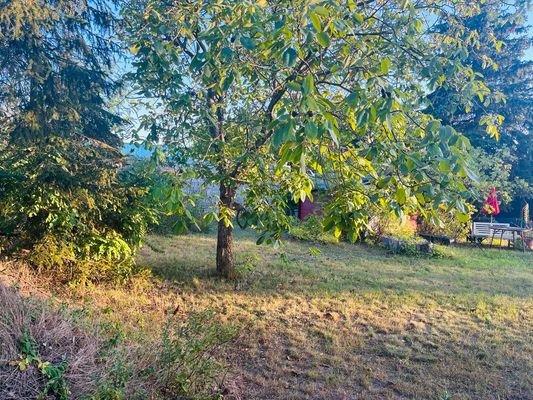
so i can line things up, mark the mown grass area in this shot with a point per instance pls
(344, 322)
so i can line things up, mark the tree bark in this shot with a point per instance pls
(225, 258)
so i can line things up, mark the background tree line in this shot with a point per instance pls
(500, 57)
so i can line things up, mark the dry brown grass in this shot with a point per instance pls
(352, 323)
(58, 341)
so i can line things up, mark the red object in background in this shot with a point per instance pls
(491, 205)
(307, 208)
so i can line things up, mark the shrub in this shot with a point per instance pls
(448, 225)
(119, 381)
(72, 205)
(388, 224)
(312, 229)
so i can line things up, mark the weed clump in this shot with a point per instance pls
(186, 363)
(43, 353)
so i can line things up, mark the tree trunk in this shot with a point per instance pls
(225, 259)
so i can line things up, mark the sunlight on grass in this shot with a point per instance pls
(357, 319)
(352, 321)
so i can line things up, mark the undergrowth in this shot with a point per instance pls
(47, 352)
(186, 363)
(53, 374)
(312, 230)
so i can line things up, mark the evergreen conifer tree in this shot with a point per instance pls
(61, 192)
(503, 39)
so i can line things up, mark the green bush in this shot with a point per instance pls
(388, 224)
(72, 208)
(312, 229)
(448, 225)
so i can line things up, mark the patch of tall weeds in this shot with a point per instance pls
(187, 362)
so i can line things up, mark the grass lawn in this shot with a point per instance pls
(352, 322)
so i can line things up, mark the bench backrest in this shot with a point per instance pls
(484, 228)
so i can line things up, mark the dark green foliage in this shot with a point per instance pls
(499, 57)
(63, 196)
(55, 57)
(70, 206)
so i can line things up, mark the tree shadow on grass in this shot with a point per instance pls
(427, 326)
(340, 269)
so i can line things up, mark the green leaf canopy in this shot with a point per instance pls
(277, 96)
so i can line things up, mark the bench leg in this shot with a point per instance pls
(478, 242)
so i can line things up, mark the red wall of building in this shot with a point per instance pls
(307, 208)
